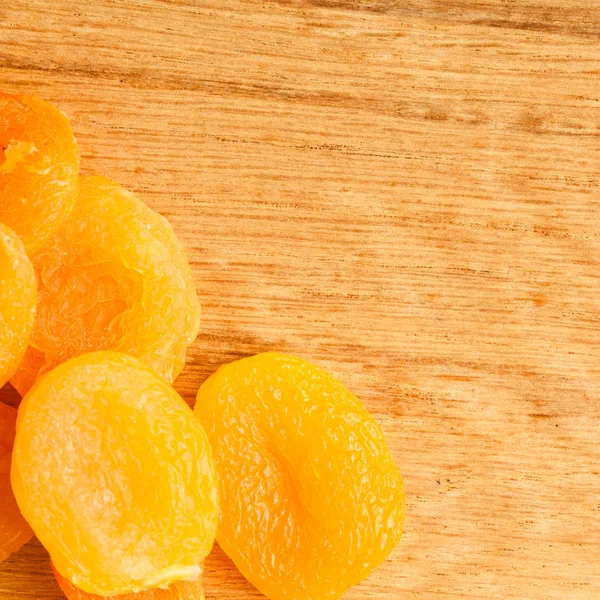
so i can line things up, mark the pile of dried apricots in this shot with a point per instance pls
(123, 484)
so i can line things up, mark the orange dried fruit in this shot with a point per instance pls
(17, 301)
(39, 167)
(178, 590)
(14, 530)
(124, 497)
(311, 498)
(114, 277)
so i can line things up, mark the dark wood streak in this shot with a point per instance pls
(524, 16)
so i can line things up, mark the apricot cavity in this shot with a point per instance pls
(39, 167)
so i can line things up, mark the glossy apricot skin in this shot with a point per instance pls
(18, 298)
(14, 530)
(312, 500)
(115, 475)
(114, 277)
(39, 167)
(178, 590)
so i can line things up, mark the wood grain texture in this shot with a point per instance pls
(405, 192)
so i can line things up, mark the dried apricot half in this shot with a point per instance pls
(17, 301)
(115, 475)
(114, 277)
(311, 498)
(39, 167)
(14, 530)
(178, 590)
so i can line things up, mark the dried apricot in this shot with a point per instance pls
(14, 530)
(17, 301)
(114, 277)
(178, 590)
(125, 497)
(312, 500)
(39, 167)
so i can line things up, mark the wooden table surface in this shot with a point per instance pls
(405, 192)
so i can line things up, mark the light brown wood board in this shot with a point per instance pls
(406, 193)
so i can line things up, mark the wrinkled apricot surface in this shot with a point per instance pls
(14, 530)
(115, 475)
(17, 301)
(178, 590)
(39, 166)
(311, 498)
(114, 277)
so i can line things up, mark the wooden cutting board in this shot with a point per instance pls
(405, 192)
